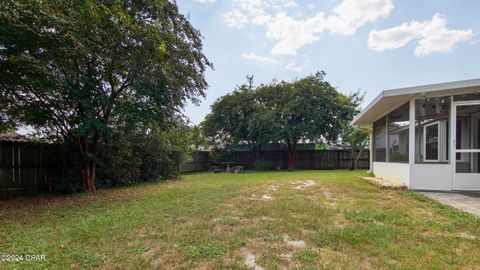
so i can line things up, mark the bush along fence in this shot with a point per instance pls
(304, 160)
(28, 167)
(201, 161)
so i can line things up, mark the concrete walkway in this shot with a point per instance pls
(467, 202)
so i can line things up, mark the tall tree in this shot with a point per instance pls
(68, 67)
(240, 118)
(308, 109)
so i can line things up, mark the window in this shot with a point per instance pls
(380, 140)
(431, 139)
(398, 137)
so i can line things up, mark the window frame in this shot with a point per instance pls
(403, 109)
(385, 134)
(437, 123)
(462, 127)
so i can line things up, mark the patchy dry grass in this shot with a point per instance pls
(255, 220)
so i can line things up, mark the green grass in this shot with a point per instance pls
(212, 221)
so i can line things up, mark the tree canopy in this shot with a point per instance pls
(307, 109)
(239, 118)
(73, 68)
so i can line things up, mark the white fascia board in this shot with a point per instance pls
(408, 92)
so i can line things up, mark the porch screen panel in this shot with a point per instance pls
(380, 140)
(432, 138)
(468, 139)
(398, 136)
(466, 97)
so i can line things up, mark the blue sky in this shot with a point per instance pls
(370, 45)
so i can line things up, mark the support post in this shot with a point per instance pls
(371, 152)
(411, 134)
(453, 140)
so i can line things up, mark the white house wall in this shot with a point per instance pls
(431, 176)
(398, 173)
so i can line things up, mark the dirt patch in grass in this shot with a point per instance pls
(250, 261)
(302, 185)
(263, 197)
(293, 243)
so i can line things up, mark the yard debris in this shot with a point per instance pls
(251, 262)
(301, 185)
(293, 243)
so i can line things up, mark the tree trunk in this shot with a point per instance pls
(87, 164)
(85, 174)
(93, 168)
(358, 157)
(291, 146)
(257, 154)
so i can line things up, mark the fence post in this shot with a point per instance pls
(338, 159)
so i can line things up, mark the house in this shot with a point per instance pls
(426, 137)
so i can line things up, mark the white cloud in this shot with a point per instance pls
(294, 67)
(205, 1)
(255, 11)
(353, 14)
(433, 36)
(292, 33)
(258, 58)
(236, 19)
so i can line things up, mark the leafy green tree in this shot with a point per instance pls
(70, 67)
(239, 118)
(355, 140)
(196, 140)
(308, 109)
(142, 154)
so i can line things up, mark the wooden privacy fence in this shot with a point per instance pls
(308, 159)
(28, 167)
(305, 160)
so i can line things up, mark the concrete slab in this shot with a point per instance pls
(469, 203)
(383, 183)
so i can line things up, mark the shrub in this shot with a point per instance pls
(69, 183)
(129, 157)
(263, 165)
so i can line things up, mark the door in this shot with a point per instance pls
(466, 142)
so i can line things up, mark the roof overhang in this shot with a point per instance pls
(389, 100)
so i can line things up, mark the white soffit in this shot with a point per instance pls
(389, 100)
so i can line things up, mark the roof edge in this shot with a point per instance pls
(417, 90)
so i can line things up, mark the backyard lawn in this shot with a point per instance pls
(255, 220)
